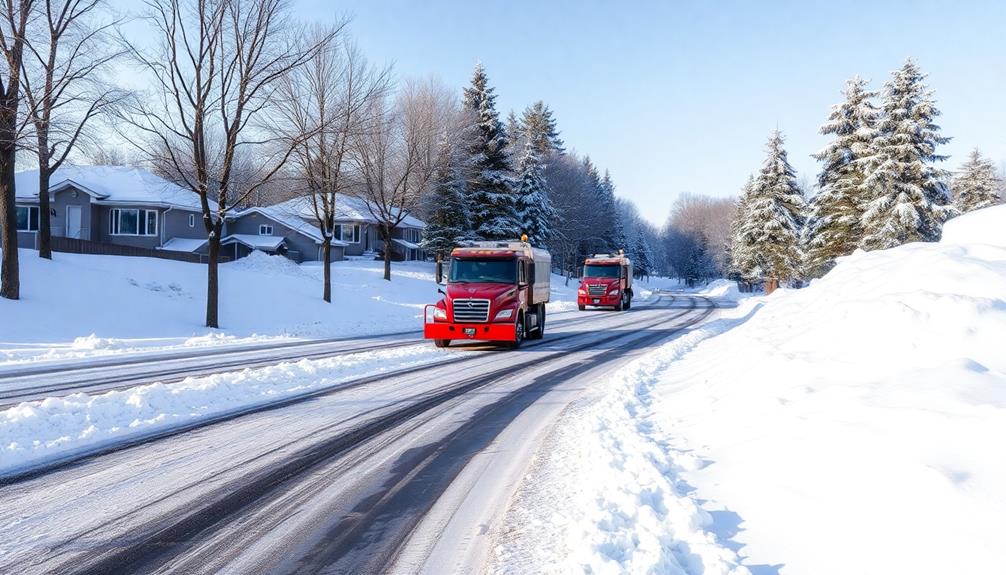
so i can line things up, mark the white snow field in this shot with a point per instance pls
(854, 426)
(80, 306)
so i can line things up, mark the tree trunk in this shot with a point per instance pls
(213, 279)
(386, 238)
(44, 221)
(10, 282)
(326, 252)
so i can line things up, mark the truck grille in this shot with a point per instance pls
(597, 289)
(471, 310)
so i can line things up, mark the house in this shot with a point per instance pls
(113, 205)
(129, 206)
(356, 231)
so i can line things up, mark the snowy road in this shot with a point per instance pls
(405, 472)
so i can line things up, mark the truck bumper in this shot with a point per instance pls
(473, 331)
(603, 300)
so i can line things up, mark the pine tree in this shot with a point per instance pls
(774, 217)
(836, 212)
(490, 190)
(907, 196)
(616, 238)
(539, 127)
(514, 136)
(978, 185)
(448, 220)
(743, 265)
(533, 205)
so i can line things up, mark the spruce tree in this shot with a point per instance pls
(616, 237)
(774, 218)
(836, 212)
(491, 197)
(743, 265)
(539, 127)
(907, 195)
(977, 185)
(534, 209)
(448, 222)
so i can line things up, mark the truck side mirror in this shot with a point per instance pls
(440, 291)
(440, 273)
(530, 273)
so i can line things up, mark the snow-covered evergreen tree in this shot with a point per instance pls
(534, 208)
(539, 127)
(774, 217)
(514, 137)
(743, 264)
(616, 237)
(908, 199)
(491, 198)
(977, 185)
(447, 224)
(836, 212)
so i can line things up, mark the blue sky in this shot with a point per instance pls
(679, 97)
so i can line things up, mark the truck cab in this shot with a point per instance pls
(606, 281)
(495, 291)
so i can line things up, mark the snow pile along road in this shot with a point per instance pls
(854, 426)
(40, 432)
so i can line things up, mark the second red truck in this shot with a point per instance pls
(606, 282)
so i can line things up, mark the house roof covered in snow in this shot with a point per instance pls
(255, 242)
(112, 185)
(183, 244)
(294, 216)
(353, 209)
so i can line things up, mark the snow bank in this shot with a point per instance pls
(605, 493)
(987, 226)
(43, 431)
(850, 427)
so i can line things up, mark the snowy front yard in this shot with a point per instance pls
(850, 427)
(78, 306)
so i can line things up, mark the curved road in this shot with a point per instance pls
(403, 473)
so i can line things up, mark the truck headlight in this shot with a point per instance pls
(504, 314)
(581, 292)
(440, 313)
(613, 292)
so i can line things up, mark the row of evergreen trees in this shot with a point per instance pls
(498, 181)
(879, 186)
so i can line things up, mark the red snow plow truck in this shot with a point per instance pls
(606, 281)
(496, 291)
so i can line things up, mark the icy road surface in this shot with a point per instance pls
(404, 473)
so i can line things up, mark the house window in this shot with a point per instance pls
(192, 220)
(348, 233)
(26, 218)
(132, 222)
(265, 230)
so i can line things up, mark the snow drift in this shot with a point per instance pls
(849, 427)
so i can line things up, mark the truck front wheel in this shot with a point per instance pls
(518, 332)
(442, 342)
(621, 303)
(539, 331)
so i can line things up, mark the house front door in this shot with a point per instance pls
(73, 222)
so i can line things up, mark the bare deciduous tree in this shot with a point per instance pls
(66, 52)
(396, 158)
(14, 21)
(216, 70)
(332, 98)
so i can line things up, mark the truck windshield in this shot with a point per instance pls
(484, 271)
(595, 271)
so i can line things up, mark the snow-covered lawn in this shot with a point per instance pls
(79, 306)
(850, 427)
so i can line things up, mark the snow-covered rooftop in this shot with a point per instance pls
(347, 209)
(254, 241)
(112, 184)
(183, 244)
(293, 215)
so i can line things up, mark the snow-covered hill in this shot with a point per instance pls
(79, 305)
(854, 426)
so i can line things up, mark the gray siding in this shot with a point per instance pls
(175, 224)
(300, 248)
(64, 198)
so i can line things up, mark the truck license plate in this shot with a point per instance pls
(597, 300)
(470, 331)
